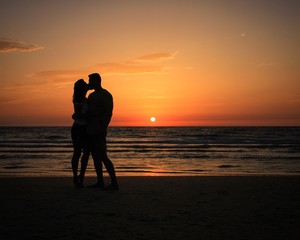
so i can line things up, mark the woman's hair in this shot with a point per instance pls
(80, 90)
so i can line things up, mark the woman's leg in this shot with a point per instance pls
(76, 153)
(84, 163)
(75, 160)
(85, 155)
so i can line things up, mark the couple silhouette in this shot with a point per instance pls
(91, 116)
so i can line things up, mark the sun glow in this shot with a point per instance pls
(197, 74)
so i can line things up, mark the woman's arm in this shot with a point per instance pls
(78, 111)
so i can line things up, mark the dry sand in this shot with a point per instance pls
(256, 207)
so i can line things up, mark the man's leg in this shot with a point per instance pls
(108, 164)
(95, 151)
(109, 167)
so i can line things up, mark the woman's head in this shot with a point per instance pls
(80, 90)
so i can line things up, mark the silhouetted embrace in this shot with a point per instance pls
(96, 119)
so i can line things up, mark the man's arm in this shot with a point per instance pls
(109, 105)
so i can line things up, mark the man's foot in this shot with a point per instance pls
(80, 178)
(97, 185)
(112, 187)
(77, 183)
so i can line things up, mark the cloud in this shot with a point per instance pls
(147, 64)
(267, 64)
(127, 68)
(157, 57)
(59, 74)
(7, 46)
(40, 82)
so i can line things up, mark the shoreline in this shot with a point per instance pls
(158, 175)
(194, 207)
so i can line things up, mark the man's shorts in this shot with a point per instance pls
(97, 143)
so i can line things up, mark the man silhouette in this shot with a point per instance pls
(100, 107)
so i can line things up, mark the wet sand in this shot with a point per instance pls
(250, 207)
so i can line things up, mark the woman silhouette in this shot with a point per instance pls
(78, 131)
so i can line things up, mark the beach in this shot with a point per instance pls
(237, 207)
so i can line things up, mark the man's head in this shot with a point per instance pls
(94, 81)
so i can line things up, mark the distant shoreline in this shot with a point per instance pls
(157, 126)
(292, 175)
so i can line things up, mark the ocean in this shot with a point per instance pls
(157, 151)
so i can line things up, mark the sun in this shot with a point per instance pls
(153, 119)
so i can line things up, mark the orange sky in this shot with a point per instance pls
(188, 62)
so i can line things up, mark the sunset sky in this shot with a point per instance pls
(189, 62)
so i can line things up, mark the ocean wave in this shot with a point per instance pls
(182, 150)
